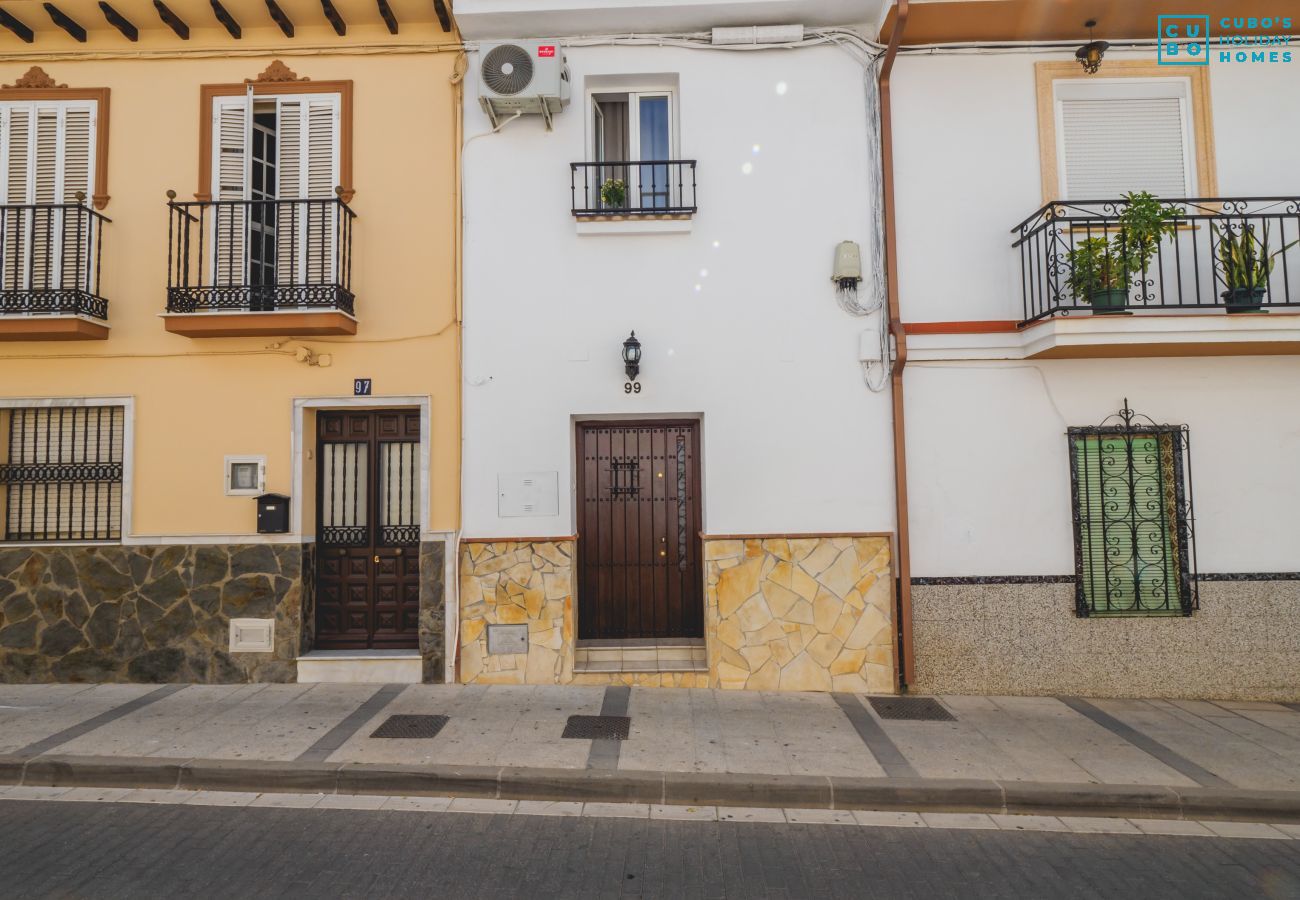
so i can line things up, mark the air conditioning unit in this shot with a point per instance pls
(528, 77)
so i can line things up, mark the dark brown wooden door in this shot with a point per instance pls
(638, 530)
(368, 529)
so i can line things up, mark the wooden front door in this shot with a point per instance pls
(638, 530)
(368, 529)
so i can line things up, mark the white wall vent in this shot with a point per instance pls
(526, 77)
(252, 635)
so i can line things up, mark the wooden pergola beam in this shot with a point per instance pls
(277, 14)
(120, 22)
(171, 20)
(66, 22)
(22, 31)
(444, 17)
(340, 27)
(386, 13)
(226, 19)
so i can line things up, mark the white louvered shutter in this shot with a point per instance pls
(308, 129)
(231, 129)
(1115, 145)
(78, 149)
(15, 146)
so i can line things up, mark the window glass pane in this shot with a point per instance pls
(654, 124)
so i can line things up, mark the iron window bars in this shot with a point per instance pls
(260, 255)
(49, 260)
(1134, 547)
(1184, 273)
(63, 473)
(663, 187)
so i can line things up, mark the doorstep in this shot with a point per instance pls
(671, 655)
(361, 667)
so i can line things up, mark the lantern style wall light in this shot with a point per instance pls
(632, 356)
(1090, 54)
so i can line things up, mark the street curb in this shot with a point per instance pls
(677, 788)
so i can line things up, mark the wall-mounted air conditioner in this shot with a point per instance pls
(528, 77)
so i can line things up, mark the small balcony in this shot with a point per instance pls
(1218, 255)
(49, 273)
(632, 189)
(245, 268)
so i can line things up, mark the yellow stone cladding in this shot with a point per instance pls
(800, 614)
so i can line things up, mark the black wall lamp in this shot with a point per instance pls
(1090, 54)
(632, 356)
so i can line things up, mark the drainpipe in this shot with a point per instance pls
(900, 358)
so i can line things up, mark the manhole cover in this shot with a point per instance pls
(916, 709)
(597, 728)
(410, 727)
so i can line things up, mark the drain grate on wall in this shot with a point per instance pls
(410, 727)
(914, 709)
(597, 728)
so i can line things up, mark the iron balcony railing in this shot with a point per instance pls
(49, 260)
(663, 187)
(1185, 271)
(259, 255)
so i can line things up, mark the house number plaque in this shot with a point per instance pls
(632, 387)
(361, 387)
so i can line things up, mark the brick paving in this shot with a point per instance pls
(112, 850)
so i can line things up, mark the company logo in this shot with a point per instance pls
(1188, 41)
(546, 50)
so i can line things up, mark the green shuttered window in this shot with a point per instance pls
(1132, 521)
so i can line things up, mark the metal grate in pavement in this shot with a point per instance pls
(912, 709)
(410, 727)
(597, 728)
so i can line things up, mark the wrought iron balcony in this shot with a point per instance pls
(260, 256)
(49, 260)
(650, 188)
(1221, 255)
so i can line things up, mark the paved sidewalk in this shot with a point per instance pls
(1156, 756)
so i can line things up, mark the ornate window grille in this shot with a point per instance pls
(62, 476)
(1134, 549)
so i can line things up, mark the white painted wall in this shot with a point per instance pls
(989, 470)
(792, 439)
(967, 167)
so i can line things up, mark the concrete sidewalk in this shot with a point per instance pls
(1088, 757)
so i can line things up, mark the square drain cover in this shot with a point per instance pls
(410, 727)
(916, 709)
(597, 728)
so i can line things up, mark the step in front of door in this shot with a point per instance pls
(361, 667)
(636, 656)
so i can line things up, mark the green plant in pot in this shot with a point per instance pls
(1246, 265)
(613, 192)
(1097, 276)
(1143, 223)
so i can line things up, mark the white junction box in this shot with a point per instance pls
(528, 494)
(252, 635)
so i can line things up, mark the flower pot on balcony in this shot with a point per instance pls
(1243, 299)
(1108, 301)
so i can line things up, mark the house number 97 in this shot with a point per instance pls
(632, 387)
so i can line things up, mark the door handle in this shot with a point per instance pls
(376, 557)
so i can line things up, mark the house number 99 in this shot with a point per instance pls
(632, 387)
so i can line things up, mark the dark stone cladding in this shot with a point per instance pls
(433, 610)
(1069, 579)
(147, 613)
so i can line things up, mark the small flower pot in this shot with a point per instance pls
(1243, 299)
(1109, 301)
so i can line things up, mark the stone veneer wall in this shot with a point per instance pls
(1007, 638)
(151, 614)
(433, 611)
(801, 614)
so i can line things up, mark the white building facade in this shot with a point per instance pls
(724, 515)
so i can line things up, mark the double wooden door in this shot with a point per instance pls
(368, 529)
(638, 530)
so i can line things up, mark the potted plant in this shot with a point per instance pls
(1142, 224)
(1097, 276)
(1246, 265)
(613, 192)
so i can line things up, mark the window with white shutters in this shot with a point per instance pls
(47, 153)
(1118, 135)
(277, 157)
(62, 473)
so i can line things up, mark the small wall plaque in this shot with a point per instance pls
(507, 638)
(361, 387)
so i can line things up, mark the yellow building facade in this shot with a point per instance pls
(229, 376)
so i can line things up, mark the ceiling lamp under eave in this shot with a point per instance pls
(1090, 54)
